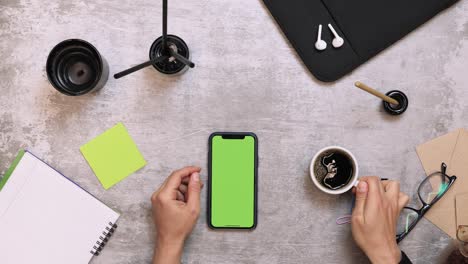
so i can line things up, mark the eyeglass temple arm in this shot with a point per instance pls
(443, 168)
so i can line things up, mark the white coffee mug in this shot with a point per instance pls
(353, 181)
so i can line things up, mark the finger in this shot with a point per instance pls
(153, 196)
(165, 182)
(361, 197)
(194, 189)
(403, 200)
(385, 184)
(180, 196)
(392, 189)
(379, 181)
(185, 180)
(374, 184)
(183, 188)
(175, 179)
(374, 196)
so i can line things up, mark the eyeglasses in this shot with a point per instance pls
(409, 217)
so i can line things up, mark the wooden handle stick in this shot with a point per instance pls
(374, 92)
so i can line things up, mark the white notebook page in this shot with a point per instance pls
(47, 218)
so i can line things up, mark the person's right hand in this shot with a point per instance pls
(176, 206)
(375, 216)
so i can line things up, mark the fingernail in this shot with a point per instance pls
(362, 187)
(196, 177)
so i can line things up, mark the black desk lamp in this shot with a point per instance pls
(168, 54)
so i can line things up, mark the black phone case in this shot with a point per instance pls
(367, 27)
(255, 179)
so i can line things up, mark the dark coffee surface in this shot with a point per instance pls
(333, 169)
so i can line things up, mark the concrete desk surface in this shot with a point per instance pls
(247, 78)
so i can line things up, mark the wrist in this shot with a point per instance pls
(169, 241)
(168, 251)
(388, 256)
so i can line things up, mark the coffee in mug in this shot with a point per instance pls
(334, 170)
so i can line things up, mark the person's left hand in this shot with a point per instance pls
(176, 206)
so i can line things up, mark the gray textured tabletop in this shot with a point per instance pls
(247, 78)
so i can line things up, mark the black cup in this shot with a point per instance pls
(402, 103)
(75, 67)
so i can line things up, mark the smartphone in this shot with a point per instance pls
(232, 180)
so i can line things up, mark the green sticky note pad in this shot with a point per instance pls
(113, 156)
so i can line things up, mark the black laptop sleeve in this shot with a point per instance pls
(367, 26)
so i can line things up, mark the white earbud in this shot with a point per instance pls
(337, 41)
(320, 44)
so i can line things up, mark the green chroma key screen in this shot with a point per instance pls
(232, 182)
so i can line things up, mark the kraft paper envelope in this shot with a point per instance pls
(452, 149)
(461, 204)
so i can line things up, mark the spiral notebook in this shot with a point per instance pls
(47, 218)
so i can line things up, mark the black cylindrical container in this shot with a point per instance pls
(75, 67)
(170, 66)
(402, 103)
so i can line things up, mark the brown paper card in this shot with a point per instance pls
(460, 168)
(461, 204)
(452, 149)
(438, 150)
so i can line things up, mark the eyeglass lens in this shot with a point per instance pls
(406, 219)
(431, 188)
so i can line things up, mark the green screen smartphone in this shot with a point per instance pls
(232, 183)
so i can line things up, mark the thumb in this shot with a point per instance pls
(361, 197)
(194, 188)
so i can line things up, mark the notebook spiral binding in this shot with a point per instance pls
(102, 241)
